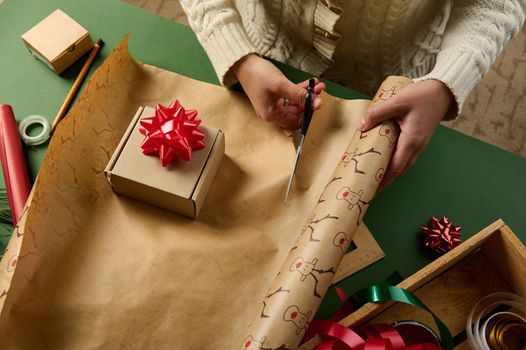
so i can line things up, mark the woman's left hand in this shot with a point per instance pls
(418, 109)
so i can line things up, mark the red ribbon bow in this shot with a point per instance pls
(335, 336)
(441, 235)
(172, 132)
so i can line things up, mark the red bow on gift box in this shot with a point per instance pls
(172, 132)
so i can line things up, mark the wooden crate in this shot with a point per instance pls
(492, 260)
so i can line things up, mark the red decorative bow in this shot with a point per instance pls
(441, 235)
(335, 336)
(172, 132)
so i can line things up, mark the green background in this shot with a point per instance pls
(471, 182)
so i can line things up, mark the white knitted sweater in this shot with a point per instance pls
(358, 43)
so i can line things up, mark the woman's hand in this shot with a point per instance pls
(418, 109)
(275, 98)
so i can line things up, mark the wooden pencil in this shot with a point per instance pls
(77, 83)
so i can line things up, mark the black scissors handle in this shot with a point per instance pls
(307, 114)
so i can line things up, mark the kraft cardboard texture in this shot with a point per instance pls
(181, 186)
(58, 41)
(98, 270)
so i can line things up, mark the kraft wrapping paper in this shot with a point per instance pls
(308, 270)
(100, 271)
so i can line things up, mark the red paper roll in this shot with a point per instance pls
(13, 163)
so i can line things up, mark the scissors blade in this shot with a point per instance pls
(296, 138)
(298, 152)
(307, 116)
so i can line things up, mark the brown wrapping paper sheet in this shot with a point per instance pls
(308, 270)
(9, 262)
(98, 270)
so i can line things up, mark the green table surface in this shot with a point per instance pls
(469, 181)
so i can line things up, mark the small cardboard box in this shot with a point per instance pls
(493, 260)
(58, 41)
(180, 187)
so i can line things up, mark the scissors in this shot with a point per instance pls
(307, 116)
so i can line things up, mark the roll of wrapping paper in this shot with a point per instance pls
(13, 163)
(307, 272)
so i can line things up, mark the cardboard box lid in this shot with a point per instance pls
(180, 177)
(54, 34)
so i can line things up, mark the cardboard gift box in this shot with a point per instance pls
(57, 41)
(493, 260)
(180, 187)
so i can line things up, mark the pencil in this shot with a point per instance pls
(77, 83)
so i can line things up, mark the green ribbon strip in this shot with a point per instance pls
(379, 293)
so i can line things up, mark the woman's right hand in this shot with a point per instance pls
(274, 97)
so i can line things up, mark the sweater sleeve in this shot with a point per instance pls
(220, 31)
(476, 33)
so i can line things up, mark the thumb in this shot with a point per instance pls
(294, 93)
(379, 112)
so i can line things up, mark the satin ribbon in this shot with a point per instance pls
(377, 337)
(489, 329)
(508, 332)
(172, 132)
(383, 292)
(346, 309)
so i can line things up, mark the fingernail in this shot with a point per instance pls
(317, 103)
(362, 124)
